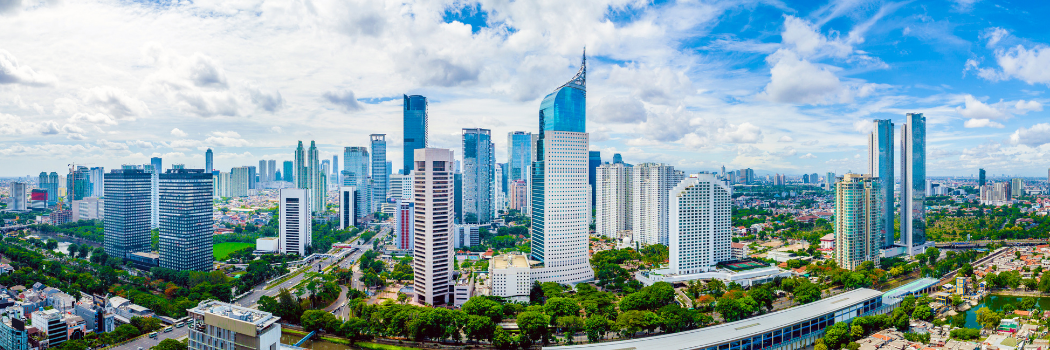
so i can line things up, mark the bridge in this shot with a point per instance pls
(307, 337)
(983, 243)
(13, 228)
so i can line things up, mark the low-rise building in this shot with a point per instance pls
(51, 324)
(510, 276)
(223, 326)
(739, 251)
(463, 290)
(13, 335)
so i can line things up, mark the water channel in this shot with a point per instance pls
(996, 303)
(316, 343)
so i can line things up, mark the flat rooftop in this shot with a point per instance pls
(510, 261)
(727, 332)
(258, 318)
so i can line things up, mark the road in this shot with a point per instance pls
(146, 342)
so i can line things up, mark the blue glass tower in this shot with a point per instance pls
(415, 128)
(913, 181)
(880, 166)
(593, 161)
(519, 154)
(565, 109)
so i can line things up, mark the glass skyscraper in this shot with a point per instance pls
(519, 154)
(186, 220)
(288, 174)
(880, 166)
(380, 174)
(127, 221)
(980, 178)
(415, 124)
(209, 163)
(913, 181)
(593, 161)
(355, 173)
(479, 164)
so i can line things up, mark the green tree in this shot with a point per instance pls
(316, 320)
(836, 335)
(354, 328)
(923, 312)
(570, 325)
(597, 326)
(561, 307)
(856, 332)
(763, 296)
(501, 339)
(146, 324)
(536, 293)
(987, 318)
(482, 306)
(479, 327)
(170, 344)
(533, 326)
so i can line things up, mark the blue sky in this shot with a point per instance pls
(788, 87)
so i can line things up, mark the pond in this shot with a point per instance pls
(996, 303)
(316, 343)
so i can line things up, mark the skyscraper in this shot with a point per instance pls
(97, 184)
(701, 230)
(433, 225)
(209, 164)
(335, 164)
(650, 188)
(302, 179)
(519, 152)
(154, 189)
(560, 214)
(239, 179)
(415, 128)
(271, 170)
(594, 159)
(186, 220)
(318, 183)
(857, 222)
(829, 182)
(479, 164)
(880, 166)
(517, 195)
(355, 173)
(19, 193)
(78, 184)
(127, 220)
(50, 184)
(380, 174)
(404, 216)
(913, 181)
(289, 171)
(264, 172)
(613, 200)
(1016, 187)
(981, 179)
(295, 221)
(347, 214)
(618, 159)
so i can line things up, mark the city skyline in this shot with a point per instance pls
(692, 86)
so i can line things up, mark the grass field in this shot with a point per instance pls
(223, 250)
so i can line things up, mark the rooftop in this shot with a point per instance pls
(258, 318)
(510, 261)
(727, 332)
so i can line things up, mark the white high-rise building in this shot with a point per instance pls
(347, 199)
(239, 181)
(294, 206)
(857, 222)
(479, 163)
(400, 187)
(700, 221)
(467, 235)
(561, 210)
(19, 201)
(913, 183)
(613, 202)
(499, 199)
(649, 199)
(434, 213)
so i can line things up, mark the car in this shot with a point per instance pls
(153, 335)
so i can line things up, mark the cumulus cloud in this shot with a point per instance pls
(72, 129)
(786, 138)
(808, 156)
(343, 98)
(140, 144)
(276, 129)
(662, 85)
(115, 102)
(269, 101)
(982, 123)
(620, 109)
(112, 146)
(994, 35)
(226, 139)
(195, 83)
(11, 72)
(93, 118)
(807, 41)
(974, 108)
(178, 133)
(743, 133)
(1029, 65)
(796, 80)
(1024, 107)
(1035, 136)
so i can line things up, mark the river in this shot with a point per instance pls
(316, 343)
(996, 303)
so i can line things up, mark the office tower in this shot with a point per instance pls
(355, 173)
(499, 194)
(209, 163)
(829, 183)
(97, 185)
(400, 187)
(186, 220)
(19, 197)
(271, 170)
(457, 186)
(335, 165)
(466, 235)
(404, 227)
(517, 195)
(127, 220)
(277, 176)
(78, 184)
(231, 326)
(981, 179)
(519, 151)
(50, 323)
(478, 167)
(701, 230)
(325, 166)
(613, 201)
(380, 174)
(1016, 187)
(880, 166)
(347, 215)
(302, 180)
(289, 172)
(223, 184)
(857, 221)
(650, 186)
(295, 229)
(239, 179)
(805, 178)
(252, 177)
(154, 201)
(13, 334)
(618, 159)
(318, 181)
(560, 210)
(49, 188)
(433, 225)
(415, 129)
(913, 181)
(263, 172)
(594, 159)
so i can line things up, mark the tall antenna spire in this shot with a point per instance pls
(580, 79)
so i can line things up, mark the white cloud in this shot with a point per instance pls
(1029, 65)
(808, 156)
(981, 123)
(975, 109)
(620, 109)
(269, 101)
(994, 35)
(796, 80)
(115, 102)
(344, 99)
(807, 41)
(964, 5)
(178, 133)
(1035, 136)
(786, 138)
(1024, 107)
(226, 139)
(112, 146)
(93, 118)
(276, 129)
(72, 129)
(11, 72)
(743, 133)
(195, 83)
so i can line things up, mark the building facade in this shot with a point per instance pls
(295, 221)
(221, 326)
(347, 201)
(613, 209)
(857, 221)
(239, 182)
(415, 129)
(404, 224)
(186, 220)
(127, 219)
(19, 196)
(517, 195)
(700, 227)
(913, 182)
(380, 173)
(433, 225)
(519, 154)
(650, 187)
(479, 162)
(355, 173)
(880, 166)
(594, 159)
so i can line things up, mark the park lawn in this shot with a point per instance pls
(376, 346)
(222, 250)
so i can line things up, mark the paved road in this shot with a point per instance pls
(147, 342)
